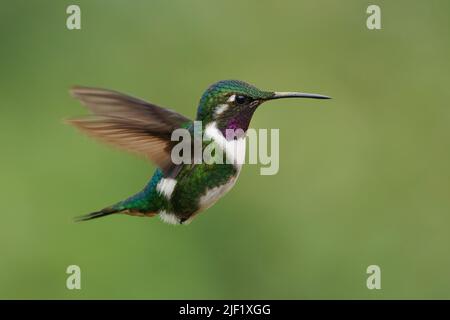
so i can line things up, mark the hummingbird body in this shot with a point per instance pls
(178, 200)
(176, 192)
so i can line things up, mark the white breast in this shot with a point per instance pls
(234, 149)
(235, 152)
(214, 194)
(205, 201)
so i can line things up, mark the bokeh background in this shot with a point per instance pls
(364, 178)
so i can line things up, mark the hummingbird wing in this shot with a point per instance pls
(130, 123)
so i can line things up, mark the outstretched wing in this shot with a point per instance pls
(130, 123)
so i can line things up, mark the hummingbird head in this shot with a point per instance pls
(231, 103)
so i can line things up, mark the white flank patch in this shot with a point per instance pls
(168, 217)
(166, 186)
(231, 98)
(221, 108)
(234, 149)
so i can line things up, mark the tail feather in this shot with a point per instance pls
(96, 214)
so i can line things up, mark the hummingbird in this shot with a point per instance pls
(176, 192)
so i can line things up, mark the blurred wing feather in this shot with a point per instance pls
(129, 123)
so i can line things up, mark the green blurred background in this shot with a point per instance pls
(364, 178)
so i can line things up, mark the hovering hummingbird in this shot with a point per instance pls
(176, 192)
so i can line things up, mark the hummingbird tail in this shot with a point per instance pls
(96, 214)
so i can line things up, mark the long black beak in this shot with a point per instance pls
(281, 95)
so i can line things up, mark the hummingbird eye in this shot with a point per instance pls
(240, 99)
